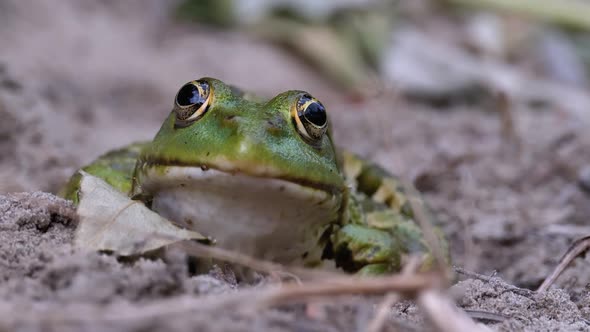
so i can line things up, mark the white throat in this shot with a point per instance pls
(268, 218)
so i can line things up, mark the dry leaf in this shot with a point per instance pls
(109, 220)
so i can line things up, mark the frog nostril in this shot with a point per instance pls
(272, 128)
(230, 120)
(275, 125)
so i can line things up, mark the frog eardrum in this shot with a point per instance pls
(309, 116)
(192, 102)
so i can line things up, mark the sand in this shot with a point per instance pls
(510, 207)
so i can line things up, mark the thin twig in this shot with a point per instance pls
(201, 250)
(378, 321)
(508, 120)
(424, 218)
(517, 290)
(579, 247)
(445, 315)
(248, 299)
(473, 275)
(486, 315)
(407, 285)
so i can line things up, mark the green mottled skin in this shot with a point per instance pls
(240, 134)
(240, 130)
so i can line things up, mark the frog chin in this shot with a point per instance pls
(268, 218)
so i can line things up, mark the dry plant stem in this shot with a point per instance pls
(423, 218)
(406, 285)
(507, 120)
(444, 315)
(378, 321)
(469, 243)
(485, 315)
(521, 291)
(576, 249)
(201, 250)
(472, 274)
(253, 298)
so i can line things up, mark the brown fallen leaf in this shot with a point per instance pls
(109, 220)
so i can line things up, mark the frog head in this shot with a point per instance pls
(257, 175)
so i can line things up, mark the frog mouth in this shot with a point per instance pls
(269, 218)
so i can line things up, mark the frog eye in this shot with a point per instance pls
(310, 118)
(192, 102)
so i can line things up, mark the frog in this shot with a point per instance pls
(263, 176)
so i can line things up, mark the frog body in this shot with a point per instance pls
(263, 177)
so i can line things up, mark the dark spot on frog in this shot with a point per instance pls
(204, 167)
(208, 153)
(281, 188)
(278, 121)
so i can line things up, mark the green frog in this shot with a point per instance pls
(264, 177)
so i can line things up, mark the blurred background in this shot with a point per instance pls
(483, 104)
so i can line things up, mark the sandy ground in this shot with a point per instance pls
(93, 76)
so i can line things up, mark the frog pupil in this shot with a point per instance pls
(316, 114)
(189, 95)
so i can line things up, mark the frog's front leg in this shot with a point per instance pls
(381, 229)
(381, 243)
(115, 167)
(366, 250)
